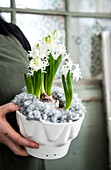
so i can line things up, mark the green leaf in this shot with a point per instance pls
(26, 81)
(51, 74)
(34, 79)
(70, 88)
(46, 79)
(64, 86)
(38, 83)
(66, 92)
(42, 83)
(57, 64)
(54, 65)
(30, 85)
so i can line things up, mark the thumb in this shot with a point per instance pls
(9, 107)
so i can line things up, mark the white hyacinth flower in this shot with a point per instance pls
(68, 65)
(76, 72)
(56, 36)
(52, 45)
(66, 57)
(33, 53)
(37, 64)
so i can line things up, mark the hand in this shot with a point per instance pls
(9, 136)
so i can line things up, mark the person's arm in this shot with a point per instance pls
(9, 136)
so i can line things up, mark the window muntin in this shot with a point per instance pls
(41, 4)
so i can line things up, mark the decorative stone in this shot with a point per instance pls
(42, 111)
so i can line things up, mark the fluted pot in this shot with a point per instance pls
(54, 138)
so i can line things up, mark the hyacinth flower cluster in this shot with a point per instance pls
(44, 61)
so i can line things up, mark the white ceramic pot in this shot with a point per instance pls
(54, 138)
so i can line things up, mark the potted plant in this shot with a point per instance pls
(50, 115)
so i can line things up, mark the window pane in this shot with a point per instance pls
(5, 3)
(6, 16)
(87, 44)
(36, 26)
(41, 4)
(103, 6)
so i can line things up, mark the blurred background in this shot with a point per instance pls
(86, 28)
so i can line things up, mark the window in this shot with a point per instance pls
(81, 23)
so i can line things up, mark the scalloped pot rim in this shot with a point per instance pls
(50, 123)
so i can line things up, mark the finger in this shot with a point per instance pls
(9, 107)
(25, 142)
(15, 148)
(17, 138)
